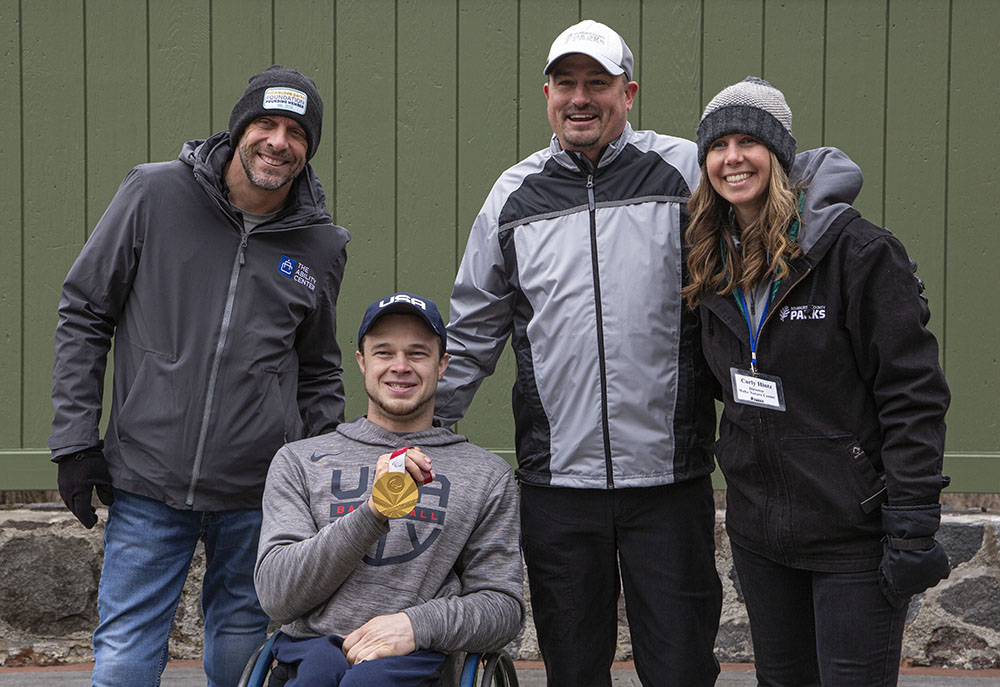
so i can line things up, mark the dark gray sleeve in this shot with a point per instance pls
(93, 295)
(489, 611)
(299, 567)
(321, 385)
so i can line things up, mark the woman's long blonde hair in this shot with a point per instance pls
(715, 263)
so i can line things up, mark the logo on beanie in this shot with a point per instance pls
(285, 99)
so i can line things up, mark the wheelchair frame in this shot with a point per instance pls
(495, 669)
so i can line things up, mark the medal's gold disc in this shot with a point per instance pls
(395, 494)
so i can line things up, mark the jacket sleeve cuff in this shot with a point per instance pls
(910, 522)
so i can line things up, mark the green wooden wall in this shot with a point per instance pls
(428, 100)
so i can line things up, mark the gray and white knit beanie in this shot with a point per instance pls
(754, 107)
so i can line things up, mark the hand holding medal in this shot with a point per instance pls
(395, 492)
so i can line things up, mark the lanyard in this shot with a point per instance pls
(741, 300)
(754, 335)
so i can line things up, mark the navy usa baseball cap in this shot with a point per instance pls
(406, 304)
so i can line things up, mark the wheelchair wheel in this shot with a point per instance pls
(498, 671)
(259, 665)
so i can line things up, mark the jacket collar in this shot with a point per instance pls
(576, 161)
(725, 306)
(208, 158)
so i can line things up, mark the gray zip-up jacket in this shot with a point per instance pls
(326, 565)
(225, 341)
(583, 267)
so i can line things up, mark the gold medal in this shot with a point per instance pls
(395, 493)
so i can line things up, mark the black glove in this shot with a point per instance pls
(912, 561)
(78, 474)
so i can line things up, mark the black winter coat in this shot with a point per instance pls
(865, 396)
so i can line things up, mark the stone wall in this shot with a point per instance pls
(50, 569)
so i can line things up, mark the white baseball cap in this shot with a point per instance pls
(596, 40)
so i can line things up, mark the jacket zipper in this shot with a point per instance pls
(592, 205)
(773, 474)
(777, 477)
(213, 376)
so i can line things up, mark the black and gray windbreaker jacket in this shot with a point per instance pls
(225, 343)
(864, 394)
(582, 267)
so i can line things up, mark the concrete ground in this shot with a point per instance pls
(732, 676)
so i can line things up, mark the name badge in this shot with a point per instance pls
(762, 391)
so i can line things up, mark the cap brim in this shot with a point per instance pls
(609, 66)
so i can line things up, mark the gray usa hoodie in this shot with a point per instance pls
(326, 565)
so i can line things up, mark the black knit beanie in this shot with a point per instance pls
(754, 107)
(280, 92)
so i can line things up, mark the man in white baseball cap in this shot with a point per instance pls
(577, 257)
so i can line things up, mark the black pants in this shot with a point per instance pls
(662, 538)
(816, 628)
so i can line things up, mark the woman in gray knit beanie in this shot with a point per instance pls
(747, 128)
(832, 434)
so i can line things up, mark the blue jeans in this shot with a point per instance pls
(148, 548)
(819, 628)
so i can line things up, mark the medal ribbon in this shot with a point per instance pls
(395, 454)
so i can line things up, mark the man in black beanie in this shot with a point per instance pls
(217, 274)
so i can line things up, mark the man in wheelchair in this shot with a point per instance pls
(365, 599)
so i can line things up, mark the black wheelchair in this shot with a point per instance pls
(460, 669)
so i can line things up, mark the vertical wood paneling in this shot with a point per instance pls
(11, 226)
(117, 135)
(732, 44)
(425, 146)
(916, 121)
(242, 39)
(117, 115)
(304, 40)
(427, 101)
(972, 361)
(487, 135)
(671, 72)
(793, 63)
(487, 109)
(539, 24)
(366, 168)
(54, 187)
(855, 92)
(180, 86)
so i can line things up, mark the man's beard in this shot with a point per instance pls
(265, 182)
